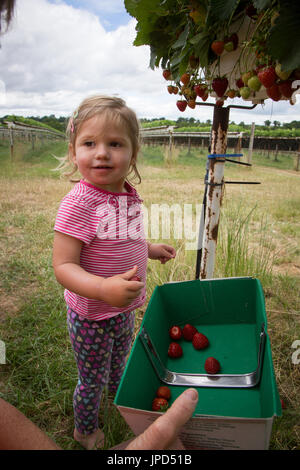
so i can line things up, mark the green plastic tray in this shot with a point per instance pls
(230, 313)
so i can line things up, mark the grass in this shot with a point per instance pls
(259, 235)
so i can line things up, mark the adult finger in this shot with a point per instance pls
(163, 432)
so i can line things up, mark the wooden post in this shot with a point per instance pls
(11, 139)
(276, 153)
(297, 161)
(250, 150)
(214, 191)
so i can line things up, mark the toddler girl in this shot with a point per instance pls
(100, 252)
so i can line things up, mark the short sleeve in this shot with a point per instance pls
(74, 218)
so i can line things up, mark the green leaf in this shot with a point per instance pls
(284, 40)
(261, 4)
(221, 10)
(181, 41)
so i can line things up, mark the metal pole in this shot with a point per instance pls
(214, 190)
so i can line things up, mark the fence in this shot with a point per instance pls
(166, 135)
(16, 131)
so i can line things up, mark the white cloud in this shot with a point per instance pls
(54, 55)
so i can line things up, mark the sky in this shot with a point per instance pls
(56, 53)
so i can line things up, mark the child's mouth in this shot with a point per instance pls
(102, 167)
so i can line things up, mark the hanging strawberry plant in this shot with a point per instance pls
(222, 48)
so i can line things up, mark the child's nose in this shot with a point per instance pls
(101, 151)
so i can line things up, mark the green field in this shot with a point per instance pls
(259, 236)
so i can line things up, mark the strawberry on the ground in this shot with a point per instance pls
(267, 76)
(159, 404)
(212, 366)
(181, 105)
(163, 392)
(219, 85)
(175, 350)
(200, 341)
(188, 332)
(283, 405)
(175, 332)
(217, 47)
(273, 92)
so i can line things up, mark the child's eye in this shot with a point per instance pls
(89, 143)
(115, 144)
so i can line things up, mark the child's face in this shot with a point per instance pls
(103, 153)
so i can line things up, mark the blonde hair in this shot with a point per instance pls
(115, 110)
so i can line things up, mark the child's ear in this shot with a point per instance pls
(72, 155)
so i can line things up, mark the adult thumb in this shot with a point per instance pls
(163, 432)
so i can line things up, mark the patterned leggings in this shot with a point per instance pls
(100, 350)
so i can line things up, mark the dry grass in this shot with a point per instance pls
(30, 194)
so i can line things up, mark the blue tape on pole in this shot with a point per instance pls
(220, 155)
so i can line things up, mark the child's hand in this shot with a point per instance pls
(161, 252)
(119, 290)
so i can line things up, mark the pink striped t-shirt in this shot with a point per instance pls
(110, 225)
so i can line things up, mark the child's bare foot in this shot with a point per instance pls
(92, 441)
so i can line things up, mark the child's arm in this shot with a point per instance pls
(161, 252)
(117, 291)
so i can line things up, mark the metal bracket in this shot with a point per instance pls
(203, 380)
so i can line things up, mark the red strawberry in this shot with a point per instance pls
(200, 90)
(159, 404)
(285, 88)
(235, 39)
(170, 89)
(205, 96)
(200, 341)
(217, 47)
(185, 78)
(136, 278)
(219, 85)
(251, 11)
(181, 105)
(193, 61)
(267, 76)
(212, 366)
(188, 332)
(192, 104)
(283, 405)
(240, 83)
(163, 392)
(175, 332)
(273, 92)
(175, 350)
(219, 103)
(167, 74)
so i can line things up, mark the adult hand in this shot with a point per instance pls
(162, 434)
